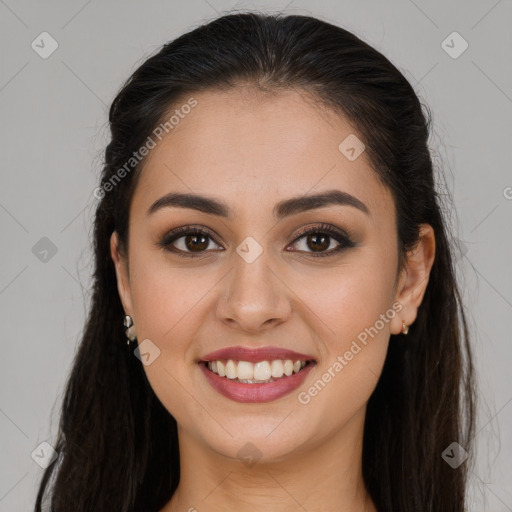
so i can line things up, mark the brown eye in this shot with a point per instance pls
(193, 242)
(319, 238)
(187, 241)
(319, 241)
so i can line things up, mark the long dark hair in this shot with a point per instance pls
(118, 445)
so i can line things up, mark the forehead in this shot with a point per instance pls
(243, 145)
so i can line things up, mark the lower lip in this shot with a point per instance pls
(266, 392)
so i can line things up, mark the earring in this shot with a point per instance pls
(131, 335)
(405, 328)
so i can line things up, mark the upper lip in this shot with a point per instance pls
(255, 355)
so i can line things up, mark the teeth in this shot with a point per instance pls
(245, 370)
(231, 371)
(263, 371)
(288, 367)
(277, 369)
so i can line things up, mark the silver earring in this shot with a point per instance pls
(131, 335)
(405, 328)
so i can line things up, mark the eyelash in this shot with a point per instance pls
(323, 229)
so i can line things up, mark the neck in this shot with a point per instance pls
(324, 476)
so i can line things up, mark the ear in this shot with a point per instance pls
(414, 278)
(123, 281)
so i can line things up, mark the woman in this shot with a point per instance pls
(275, 321)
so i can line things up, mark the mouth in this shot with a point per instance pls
(261, 381)
(261, 372)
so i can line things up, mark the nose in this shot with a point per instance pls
(255, 297)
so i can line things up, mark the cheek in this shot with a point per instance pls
(353, 311)
(166, 297)
(348, 298)
(169, 305)
(355, 340)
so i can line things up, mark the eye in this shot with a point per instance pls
(320, 238)
(195, 240)
(190, 241)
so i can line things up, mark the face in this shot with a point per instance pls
(254, 280)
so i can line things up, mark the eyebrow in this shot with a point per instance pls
(282, 209)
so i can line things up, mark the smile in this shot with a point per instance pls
(255, 373)
(242, 380)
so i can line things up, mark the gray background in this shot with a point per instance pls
(54, 129)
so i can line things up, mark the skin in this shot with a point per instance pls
(252, 150)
